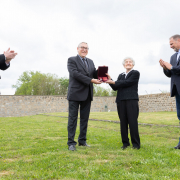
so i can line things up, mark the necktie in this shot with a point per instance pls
(85, 63)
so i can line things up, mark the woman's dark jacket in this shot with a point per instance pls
(127, 87)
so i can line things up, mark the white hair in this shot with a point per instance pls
(130, 59)
(82, 43)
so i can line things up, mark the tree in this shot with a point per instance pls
(113, 93)
(100, 91)
(36, 83)
(64, 82)
(23, 84)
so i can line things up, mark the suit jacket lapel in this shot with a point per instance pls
(174, 62)
(129, 74)
(81, 63)
(89, 64)
(122, 76)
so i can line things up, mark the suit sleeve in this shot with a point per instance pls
(95, 74)
(133, 79)
(176, 69)
(167, 72)
(3, 65)
(113, 86)
(73, 71)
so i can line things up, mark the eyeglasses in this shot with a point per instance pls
(126, 62)
(82, 47)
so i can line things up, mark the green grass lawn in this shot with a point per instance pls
(34, 147)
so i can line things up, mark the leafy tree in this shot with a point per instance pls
(113, 93)
(100, 91)
(36, 83)
(64, 82)
(23, 84)
(106, 92)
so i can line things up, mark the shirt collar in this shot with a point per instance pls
(81, 57)
(128, 72)
(179, 51)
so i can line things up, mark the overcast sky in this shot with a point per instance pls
(46, 32)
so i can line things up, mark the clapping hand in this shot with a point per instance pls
(9, 54)
(165, 64)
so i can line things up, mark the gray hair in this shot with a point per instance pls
(128, 58)
(84, 43)
(175, 37)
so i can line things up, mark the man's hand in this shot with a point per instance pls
(9, 54)
(96, 81)
(167, 65)
(110, 82)
(162, 64)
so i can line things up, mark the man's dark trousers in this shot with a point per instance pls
(128, 111)
(72, 120)
(178, 108)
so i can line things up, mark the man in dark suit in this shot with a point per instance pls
(172, 70)
(80, 93)
(5, 59)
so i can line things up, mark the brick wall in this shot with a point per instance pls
(31, 105)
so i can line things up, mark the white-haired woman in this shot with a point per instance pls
(127, 102)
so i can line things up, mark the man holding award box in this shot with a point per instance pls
(82, 75)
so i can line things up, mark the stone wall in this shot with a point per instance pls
(157, 102)
(31, 105)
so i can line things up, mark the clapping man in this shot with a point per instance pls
(5, 59)
(172, 70)
(82, 75)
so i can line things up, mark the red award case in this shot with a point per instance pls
(102, 70)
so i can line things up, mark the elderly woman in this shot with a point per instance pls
(127, 102)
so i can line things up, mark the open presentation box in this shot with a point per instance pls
(102, 70)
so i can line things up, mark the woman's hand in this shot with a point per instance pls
(110, 82)
(109, 77)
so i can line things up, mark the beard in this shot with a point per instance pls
(176, 50)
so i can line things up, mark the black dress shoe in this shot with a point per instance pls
(177, 147)
(124, 147)
(72, 148)
(135, 147)
(85, 144)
